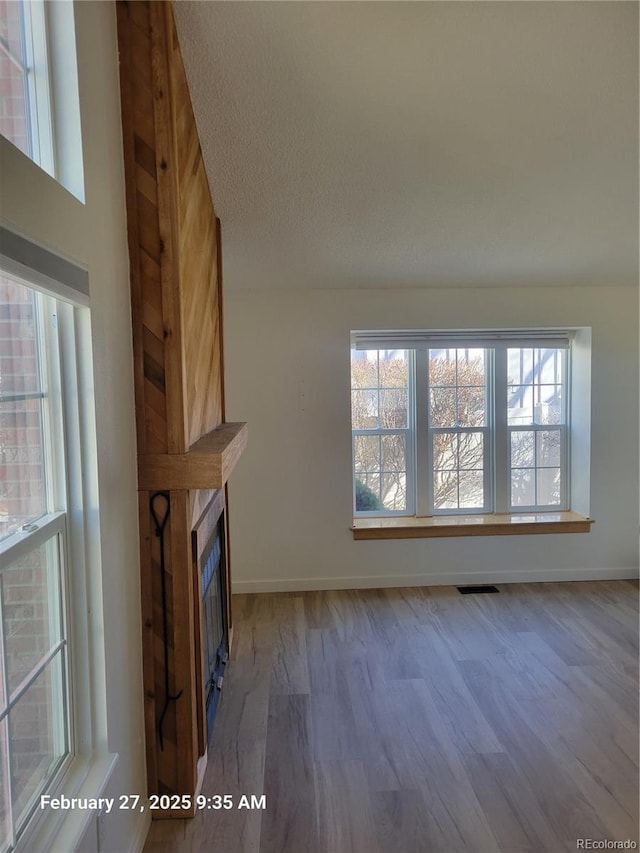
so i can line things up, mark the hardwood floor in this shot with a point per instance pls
(419, 720)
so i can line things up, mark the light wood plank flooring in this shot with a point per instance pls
(415, 720)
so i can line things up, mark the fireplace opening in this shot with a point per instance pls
(214, 630)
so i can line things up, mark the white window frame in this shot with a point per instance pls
(410, 433)
(51, 528)
(497, 430)
(564, 431)
(428, 431)
(35, 68)
(67, 334)
(51, 90)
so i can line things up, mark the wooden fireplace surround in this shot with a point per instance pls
(185, 448)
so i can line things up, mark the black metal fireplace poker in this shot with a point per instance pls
(161, 523)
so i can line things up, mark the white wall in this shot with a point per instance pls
(287, 363)
(95, 237)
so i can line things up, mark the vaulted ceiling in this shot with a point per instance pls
(418, 144)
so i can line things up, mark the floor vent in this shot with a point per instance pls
(477, 590)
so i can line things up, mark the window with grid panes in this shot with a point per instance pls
(25, 85)
(35, 724)
(459, 423)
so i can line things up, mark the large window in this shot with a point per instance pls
(39, 104)
(25, 92)
(459, 423)
(35, 725)
(47, 472)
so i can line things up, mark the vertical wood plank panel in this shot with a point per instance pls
(176, 297)
(167, 178)
(128, 142)
(198, 258)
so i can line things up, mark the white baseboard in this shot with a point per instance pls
(453, 578)
(201, 769)
(142, 830)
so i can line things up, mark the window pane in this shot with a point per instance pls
(471, 450)
(394, 491)
(442, 367)
(471, 407)
(394, 479)
(548, 406)
(393, 408)
(445, 451)
(364, 368)
(23, 496)
(520, 404)
(548, 448)
(19, 367)
(37, 736)
(22, 473)
(368, 493)
(445, 490)
(519, 366)
(470, 367)
(548, 486)
(11, 12)
(366, 454)
(394, 369)
(394, 453)
(523, 491)
(30, 594)
(14, 104)
(442, 410)
(549, 366)
(522, 449)
(364, 409)
(471, 490)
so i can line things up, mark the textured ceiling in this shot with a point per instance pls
(392, 144)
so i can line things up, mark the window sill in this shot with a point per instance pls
(61, 830)
(488, 524)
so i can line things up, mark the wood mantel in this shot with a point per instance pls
(206, 465)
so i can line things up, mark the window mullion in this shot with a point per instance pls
(501, 463)
(16, 545)
(564, 468)
(19, 398)
(565, 432)
(424, 448)
(3, 654)
(412, 494)
(33, 676)
(6, 50)
(488, 433)
(56, 326)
